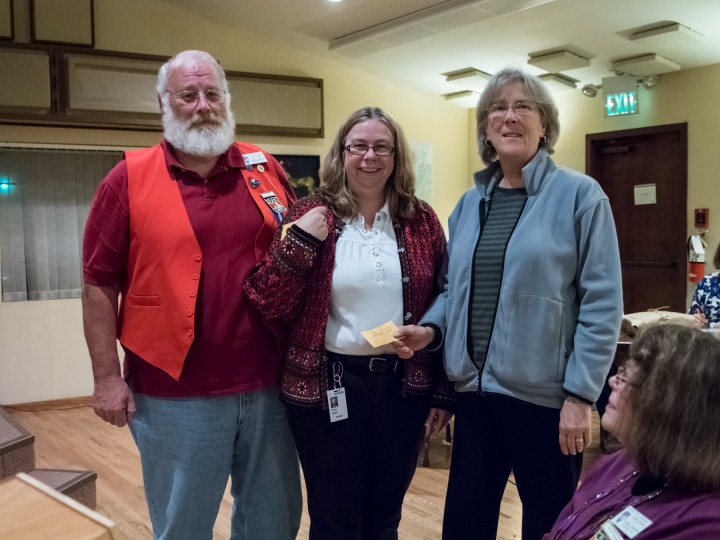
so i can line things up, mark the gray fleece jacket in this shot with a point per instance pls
(560, 305)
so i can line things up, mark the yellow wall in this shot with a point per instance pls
(43, 353)
(686, 96)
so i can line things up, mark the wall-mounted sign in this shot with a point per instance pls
(645, 194)
(621, 104)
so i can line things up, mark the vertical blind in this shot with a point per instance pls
(45, 196)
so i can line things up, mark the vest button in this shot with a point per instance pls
(198, 258)
(195, 276)
(189, 313)
(190, 333)
(192, 294)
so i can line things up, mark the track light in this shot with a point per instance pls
(650, 82)
(590, 90)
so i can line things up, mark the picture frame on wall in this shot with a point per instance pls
(66, 22)
(7, 20)
(303, 172)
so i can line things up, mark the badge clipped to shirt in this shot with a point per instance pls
(631, 522)
(336, 397)
(253, 159)
(274, 203)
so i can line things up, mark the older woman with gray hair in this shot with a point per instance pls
(529, 314)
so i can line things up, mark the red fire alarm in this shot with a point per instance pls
(702, 218)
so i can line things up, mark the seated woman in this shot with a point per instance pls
(705, 304)
(363, 252)
(664, 408)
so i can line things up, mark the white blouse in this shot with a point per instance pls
(366, 285)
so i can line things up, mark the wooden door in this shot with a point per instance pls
(652, 236)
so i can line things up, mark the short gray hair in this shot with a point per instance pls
(187, 58)
(536, 92)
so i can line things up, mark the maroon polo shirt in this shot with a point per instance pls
(233, 350)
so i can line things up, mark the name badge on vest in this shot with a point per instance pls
(253, 159)
(275, 205)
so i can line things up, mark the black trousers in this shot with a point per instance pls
(495, 435)
(357, 470)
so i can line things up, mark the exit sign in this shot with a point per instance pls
(621, 104)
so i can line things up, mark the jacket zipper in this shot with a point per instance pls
(483, 218)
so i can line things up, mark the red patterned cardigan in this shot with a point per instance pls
(293, 282)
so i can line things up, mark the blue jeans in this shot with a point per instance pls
(189, 447)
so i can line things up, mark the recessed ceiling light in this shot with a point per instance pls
(466, 98)
(668, 35)
(559, 61)
(432, 20)
(469, 79)
(647, 64)
(558, 83)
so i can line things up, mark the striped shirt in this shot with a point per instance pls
(502, 216)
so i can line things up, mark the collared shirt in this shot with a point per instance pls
(233, 350)
(366, 285)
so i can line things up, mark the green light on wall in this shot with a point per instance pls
(621, 104)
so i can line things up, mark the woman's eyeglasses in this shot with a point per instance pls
(621, 374)
(362, 149)
(500, 110)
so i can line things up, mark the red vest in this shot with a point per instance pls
(157, 313)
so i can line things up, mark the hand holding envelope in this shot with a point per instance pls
(420, 336)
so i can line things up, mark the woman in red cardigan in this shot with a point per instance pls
(362, 252)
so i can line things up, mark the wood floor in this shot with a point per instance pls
(76, 438)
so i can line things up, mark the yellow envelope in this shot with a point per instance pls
(382, 335)
(285, 228)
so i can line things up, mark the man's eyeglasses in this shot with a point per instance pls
(362, 149)
(191, 96)
(500, 110)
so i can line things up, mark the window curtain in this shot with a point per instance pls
(45, 197)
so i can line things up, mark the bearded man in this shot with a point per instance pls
(175, 229)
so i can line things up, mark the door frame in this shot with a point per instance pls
(591, 146)
(592, 165)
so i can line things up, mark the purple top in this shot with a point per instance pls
(607, 490)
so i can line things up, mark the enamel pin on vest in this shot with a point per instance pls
(275, 205)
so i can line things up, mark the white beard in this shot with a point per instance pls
(204, 137)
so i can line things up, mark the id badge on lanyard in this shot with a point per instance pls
(337, 404)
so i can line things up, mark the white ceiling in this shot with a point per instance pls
(595, 29)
